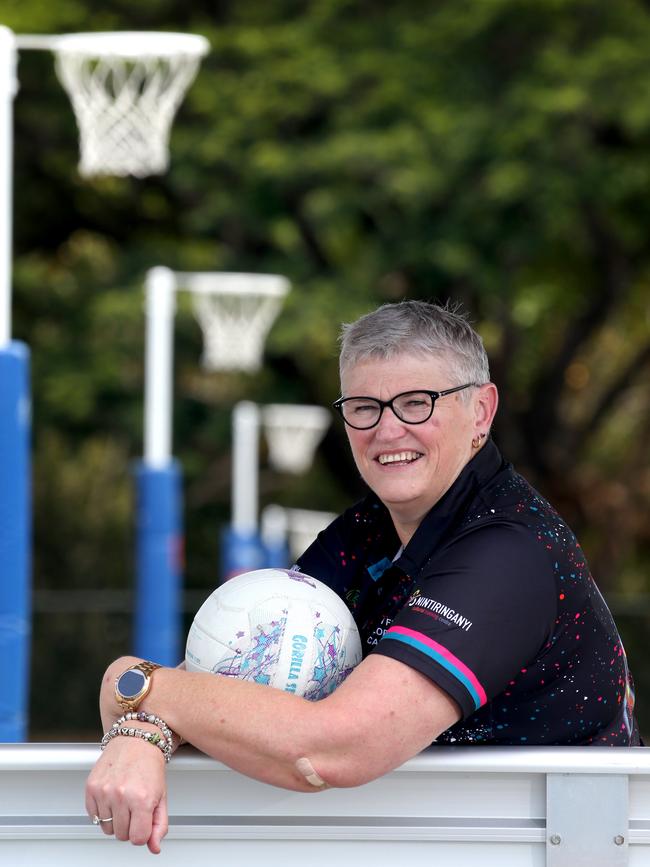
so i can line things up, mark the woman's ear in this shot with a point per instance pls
(485, 407)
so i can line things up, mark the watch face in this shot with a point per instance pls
(130, 683)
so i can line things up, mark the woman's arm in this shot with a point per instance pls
(384, 713)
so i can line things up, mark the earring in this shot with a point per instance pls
(476, 442)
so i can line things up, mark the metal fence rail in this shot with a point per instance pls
(533, 806)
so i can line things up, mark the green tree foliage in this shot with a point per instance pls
(494, 152)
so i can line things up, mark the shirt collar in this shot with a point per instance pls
(444, 516)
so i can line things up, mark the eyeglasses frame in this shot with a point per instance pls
(383, 404)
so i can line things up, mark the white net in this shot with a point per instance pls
(304, 526)
(235, 312)
(125, 89)
(293, 432)
(299, 526)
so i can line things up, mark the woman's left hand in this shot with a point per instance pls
(128, 784)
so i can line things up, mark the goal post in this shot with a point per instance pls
(15, 428)
(241, 543)
(8, 88)
(158, 488)
(86, 61)
(159, 563)
(293, 432)
(15, 537)
(235, 312)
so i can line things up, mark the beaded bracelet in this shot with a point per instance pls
(151, 737)
(154, 738)
(143, 716)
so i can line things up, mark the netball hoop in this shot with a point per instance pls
(125, 89)
(293, 431)
(304, 526)
(235, 312)
(292, 528)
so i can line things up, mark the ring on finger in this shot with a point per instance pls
(97, 821)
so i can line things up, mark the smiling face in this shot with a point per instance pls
(409, 467)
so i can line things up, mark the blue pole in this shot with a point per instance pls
(159, 544)
(15, 541)
(241, 552)
(277, 554)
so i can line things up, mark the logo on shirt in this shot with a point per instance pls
(439, 611)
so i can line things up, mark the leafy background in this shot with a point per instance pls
(496, 153)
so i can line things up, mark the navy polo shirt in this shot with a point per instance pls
(493, 600)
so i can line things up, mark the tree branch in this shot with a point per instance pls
(314, 248)
(617, 388)
(611, 273)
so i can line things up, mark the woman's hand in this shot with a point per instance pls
(128, 783)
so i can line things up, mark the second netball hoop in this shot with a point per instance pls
(236, 312)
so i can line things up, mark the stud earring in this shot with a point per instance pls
(476, 442)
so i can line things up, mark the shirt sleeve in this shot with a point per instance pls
(484, 607)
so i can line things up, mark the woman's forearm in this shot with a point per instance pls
(258, 731)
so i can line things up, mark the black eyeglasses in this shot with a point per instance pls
(411, 407)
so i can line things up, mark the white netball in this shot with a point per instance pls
(276, 627)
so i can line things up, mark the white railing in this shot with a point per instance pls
(456, 806)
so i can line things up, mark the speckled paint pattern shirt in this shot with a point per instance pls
(492, 599)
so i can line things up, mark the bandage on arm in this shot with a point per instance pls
(306, 769)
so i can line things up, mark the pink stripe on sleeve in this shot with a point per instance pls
(442, 651)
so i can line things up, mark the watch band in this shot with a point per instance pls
(147, 667)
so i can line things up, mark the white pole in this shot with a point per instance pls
(8, 89)
(159, 354)
(274, 525)
(246, 423)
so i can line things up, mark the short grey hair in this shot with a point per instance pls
(417, 328)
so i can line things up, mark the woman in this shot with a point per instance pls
(479, 618)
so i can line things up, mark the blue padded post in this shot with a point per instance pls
(241, 552)
(278, 555)
(159, 547)
(15, 540)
